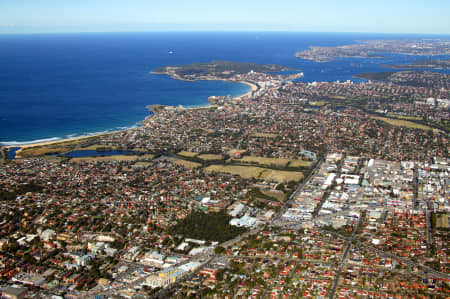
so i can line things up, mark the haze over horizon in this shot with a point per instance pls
(52, 16)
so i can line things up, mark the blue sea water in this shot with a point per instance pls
(55, 86)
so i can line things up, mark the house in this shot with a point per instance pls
(47, 234)
(14, 292)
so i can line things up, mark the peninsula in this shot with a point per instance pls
(217, 70)
(252, 74)
(376, 49)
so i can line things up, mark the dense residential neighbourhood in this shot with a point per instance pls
(297, 190)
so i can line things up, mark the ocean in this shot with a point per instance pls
(56, 86)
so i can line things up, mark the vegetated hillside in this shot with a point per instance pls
(219, 67)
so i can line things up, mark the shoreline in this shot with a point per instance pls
(253, 87)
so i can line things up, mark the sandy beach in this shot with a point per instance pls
(28, 145)
(253, 87)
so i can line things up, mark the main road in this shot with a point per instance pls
(299, 189)
(344, 257)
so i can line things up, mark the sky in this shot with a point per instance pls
(381, 16)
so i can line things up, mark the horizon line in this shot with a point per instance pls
(217, 31)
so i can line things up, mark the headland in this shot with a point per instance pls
(217, 70)
(376, 49)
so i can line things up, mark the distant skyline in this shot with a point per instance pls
(382, 16)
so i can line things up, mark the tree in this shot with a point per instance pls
(219, 250)
(220, 274)
(280, 187)
(209, 227)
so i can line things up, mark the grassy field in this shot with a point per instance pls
(101, 147)
(143, 164)
(265, 161)
(243, 171)
(146, 157)
(265, 135)
(234, 151)
(276, 161)
(405, 117)
(187, 164)
(112, 158)
(442, 221)
(45, 149)
(187, 154)
(58, 147)
(278, 195)
(402, 123)
(41, 150)
(318, 103)
(299, 163)
(257, 172)
(210, 157)
(53, 147)
(281, 176)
